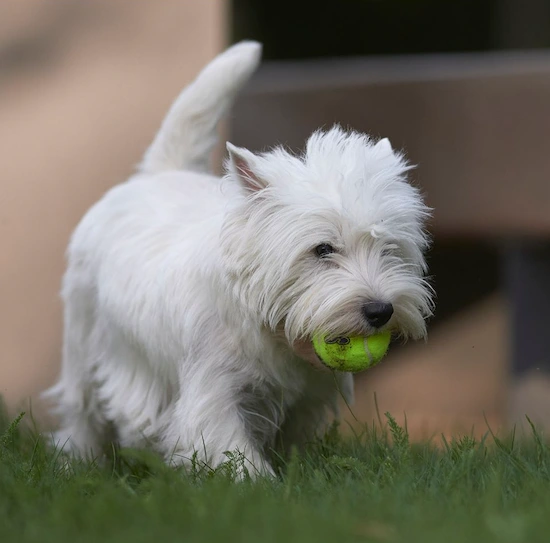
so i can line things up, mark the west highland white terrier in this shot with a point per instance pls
(191, 300)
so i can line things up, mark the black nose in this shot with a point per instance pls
(377, 313)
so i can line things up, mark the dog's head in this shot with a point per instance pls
(330, 242)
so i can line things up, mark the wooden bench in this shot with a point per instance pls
(478, 126)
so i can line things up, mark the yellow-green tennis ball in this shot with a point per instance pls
(352, 354)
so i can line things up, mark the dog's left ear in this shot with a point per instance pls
(384, 147)
(242, 164)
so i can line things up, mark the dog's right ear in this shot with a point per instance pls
(242, 165)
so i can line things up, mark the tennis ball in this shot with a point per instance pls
(352, 354)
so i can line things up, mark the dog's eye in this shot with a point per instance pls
(324, 250)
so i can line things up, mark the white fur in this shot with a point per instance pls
(191, 301)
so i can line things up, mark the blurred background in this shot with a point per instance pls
(462, 87)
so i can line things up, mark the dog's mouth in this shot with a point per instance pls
(353, 353)
(305, 350)
(304, 347)
(320, 364)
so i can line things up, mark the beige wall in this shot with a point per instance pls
(83, 87)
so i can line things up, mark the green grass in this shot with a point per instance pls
(376, 487)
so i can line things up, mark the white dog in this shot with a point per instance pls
(191, 301)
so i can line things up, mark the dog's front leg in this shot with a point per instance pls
(207, 424)
(308, 417)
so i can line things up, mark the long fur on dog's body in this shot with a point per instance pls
(190, 301)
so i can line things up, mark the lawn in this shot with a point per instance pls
(374, 487)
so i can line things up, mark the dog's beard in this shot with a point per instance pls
(334, 307)
(313, 297)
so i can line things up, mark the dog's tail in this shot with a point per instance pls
(188, 133)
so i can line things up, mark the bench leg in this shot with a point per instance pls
(527, 282)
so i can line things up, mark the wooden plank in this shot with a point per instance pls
(476, 124)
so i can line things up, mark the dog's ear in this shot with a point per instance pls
(242, 164)
(384, 147)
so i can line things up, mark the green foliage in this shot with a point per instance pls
(376, 486)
